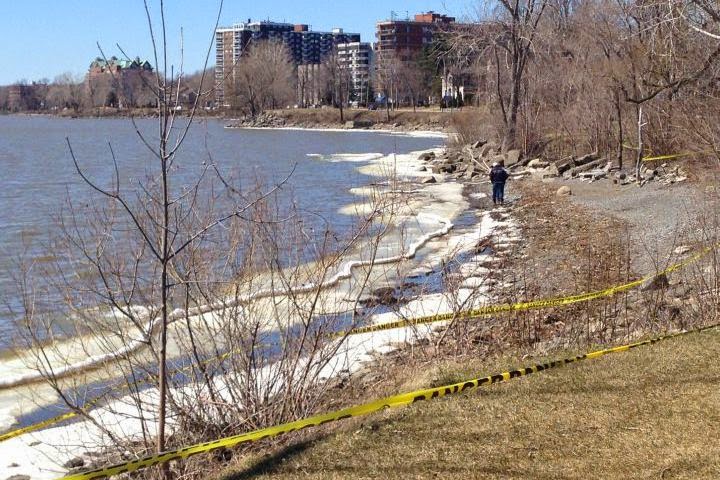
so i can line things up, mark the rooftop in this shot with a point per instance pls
(123, 63)
(293, 27)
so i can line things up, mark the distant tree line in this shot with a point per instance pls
(68, 92)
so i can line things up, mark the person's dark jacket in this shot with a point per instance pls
(498, 175)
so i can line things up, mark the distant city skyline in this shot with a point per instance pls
(46, 38)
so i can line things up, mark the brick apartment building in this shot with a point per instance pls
(115, 66)
(119, 83)
(406, 39)
(24, 97)
(306, 47)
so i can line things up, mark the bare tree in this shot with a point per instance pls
(386, 79)
(518, 22)
(67, 92)
(264, 78)
(160, 220)
(412, 81)
(337, 79)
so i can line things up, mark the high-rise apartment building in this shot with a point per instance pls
(407, 38)
(306, 46)
(357, 58)
(403, 40)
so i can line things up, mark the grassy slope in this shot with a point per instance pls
(649, 413)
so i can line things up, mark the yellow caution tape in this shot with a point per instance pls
(667, 157)
(523, 306)
(357, 411)
(676, 155)
(37, 426)
(92, 403)
(484, 311)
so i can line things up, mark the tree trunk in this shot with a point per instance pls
(340, 103)
(640, 142)
(164, 285)
(511, 132)
(621, 138)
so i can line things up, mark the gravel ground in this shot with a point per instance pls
(659, 217)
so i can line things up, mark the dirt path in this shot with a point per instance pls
(659, 218)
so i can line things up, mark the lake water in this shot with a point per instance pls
(38, 175)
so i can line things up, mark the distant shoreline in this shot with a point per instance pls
(323, 119)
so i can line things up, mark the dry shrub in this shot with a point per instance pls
(471, 125)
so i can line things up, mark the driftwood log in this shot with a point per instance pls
(574, 172)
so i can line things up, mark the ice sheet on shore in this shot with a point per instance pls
(347, 157)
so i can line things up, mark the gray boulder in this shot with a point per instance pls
(512, 158)
(538, 163)
(488, 149)
(76, 462)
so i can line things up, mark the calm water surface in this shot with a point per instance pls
(38, 176)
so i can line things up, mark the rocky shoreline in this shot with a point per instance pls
(307, 122)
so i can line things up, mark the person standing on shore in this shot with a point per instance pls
(498, 177)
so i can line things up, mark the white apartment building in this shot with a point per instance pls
(357, 57)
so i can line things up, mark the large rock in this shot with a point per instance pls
(386, 295)
(585, 159)
(488, 149)
(564, 191)
(363, 123)
(426, 156)
(565, 165)
(512, 158)
(550, 172)
(429, 180)
(76, 462)
(538, 163)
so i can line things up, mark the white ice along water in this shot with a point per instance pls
(179, 314)
(42, 455)
(152, 327)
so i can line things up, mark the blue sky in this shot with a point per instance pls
(44, 38)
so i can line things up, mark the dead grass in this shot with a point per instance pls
(570, 248)
(649, 413)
